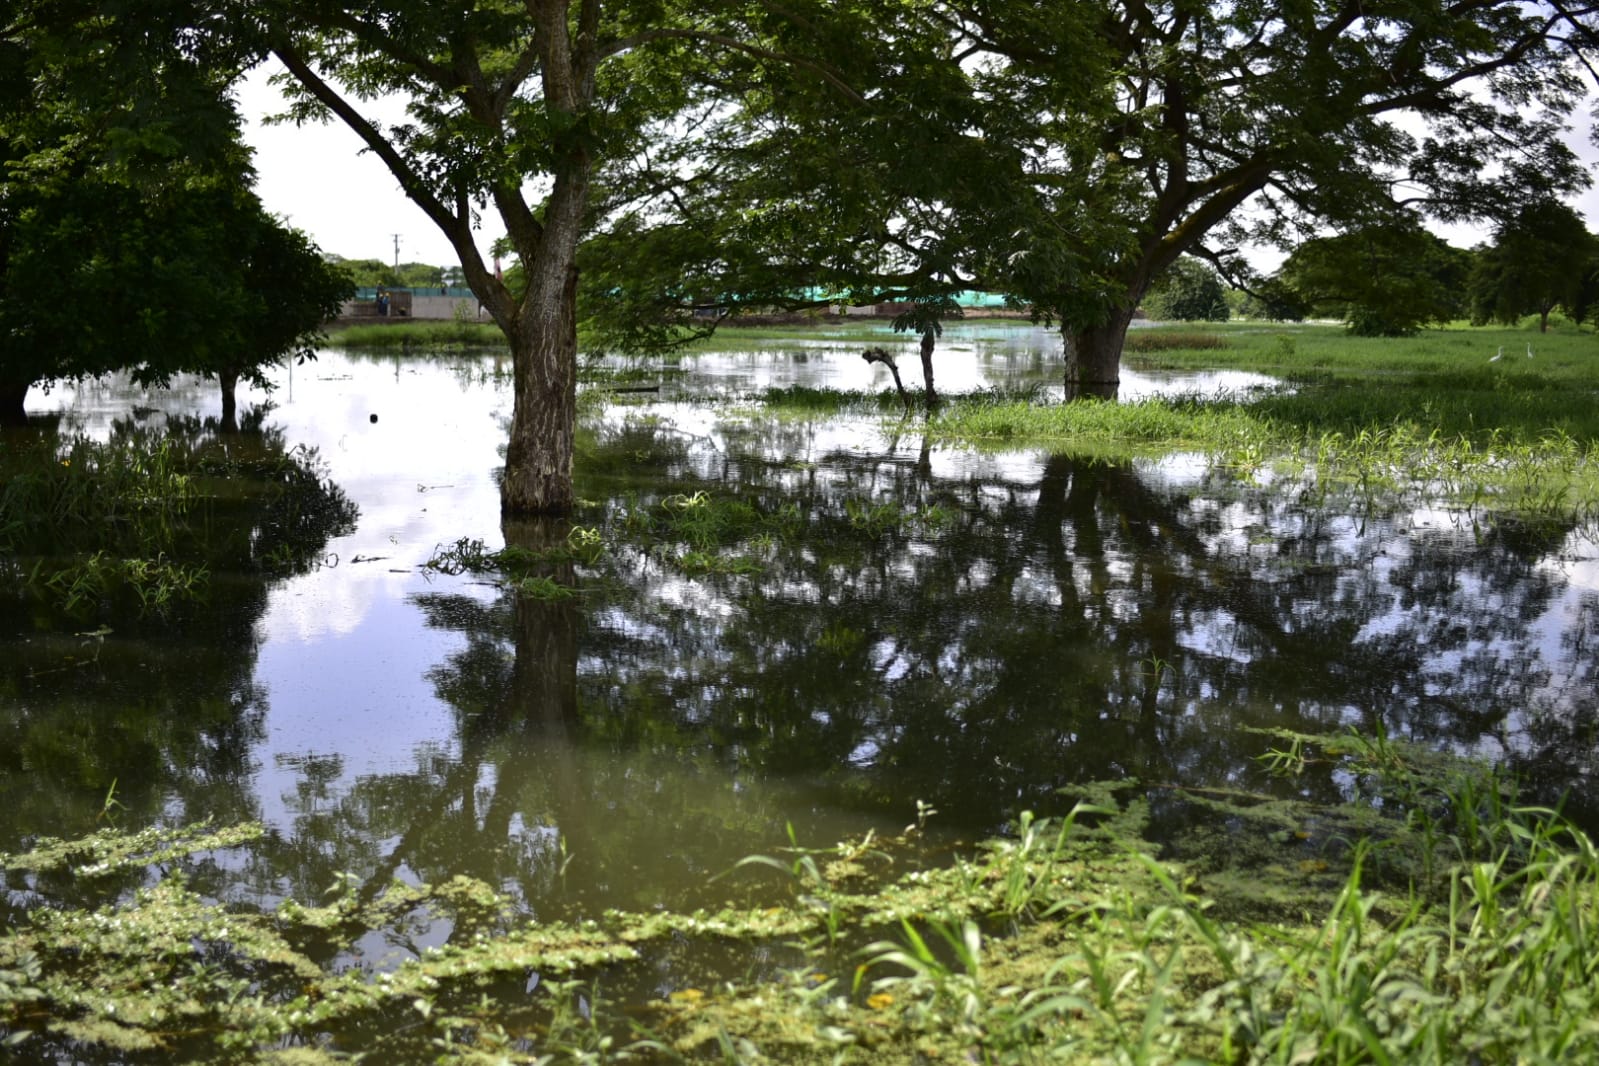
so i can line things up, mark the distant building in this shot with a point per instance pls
(436, 303)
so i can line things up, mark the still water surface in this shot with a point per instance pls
(1038, 621)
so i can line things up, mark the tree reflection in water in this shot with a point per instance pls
(986, 639)
(112, 715)
(891, 622)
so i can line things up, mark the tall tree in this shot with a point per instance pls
(129, 235)
(1383, 280)
(1542, 259)
(1067, 156)
(518, 108)
(1235, 122)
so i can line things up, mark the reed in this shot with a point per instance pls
(420, 336)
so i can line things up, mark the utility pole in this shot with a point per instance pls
(396, 254)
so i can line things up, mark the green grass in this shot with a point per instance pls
(1323, 353)
(693, 533)
(1441, 380)
(1368, 463)
(1162, 340)
(803, 401)
(87, 521)
(1366, 419)
(420, 335)
(1093, 424)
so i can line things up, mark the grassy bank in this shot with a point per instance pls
(1441, 416)
(1455, 381)
(419, 335)
(1309, 350)
(1429, 920)
(753, 331)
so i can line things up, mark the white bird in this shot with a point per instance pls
(1499, 356)
(1529, 351)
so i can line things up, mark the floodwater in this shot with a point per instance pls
(970, 356)
(1039, 622)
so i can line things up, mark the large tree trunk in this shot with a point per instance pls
(229, 381)
(1094, 356)
(543, 329)
(13, 395)
(538, 458)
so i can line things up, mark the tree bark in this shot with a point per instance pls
(543, 328)
(540, 325)
(13, 396)
(538, 457)
(1093, 357)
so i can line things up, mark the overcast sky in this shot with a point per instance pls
(318, 179)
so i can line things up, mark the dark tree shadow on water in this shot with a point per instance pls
(114, 711)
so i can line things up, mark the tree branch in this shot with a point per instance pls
(456, 225)
(832, 78)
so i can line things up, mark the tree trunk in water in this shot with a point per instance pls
(229, 380)
(538, 458)
(13, 397)
(928, 340)
(1094, 355)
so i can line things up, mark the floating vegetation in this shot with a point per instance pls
(1551, 477)
(1145, 427)
(695, 533)
(473, 555)
(1457, 925)
(83, 582)
(803, 401)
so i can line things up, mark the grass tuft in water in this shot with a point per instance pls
(1174, 340)
(135, 522)
(1141, 427)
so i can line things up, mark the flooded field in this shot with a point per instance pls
(900, 622)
